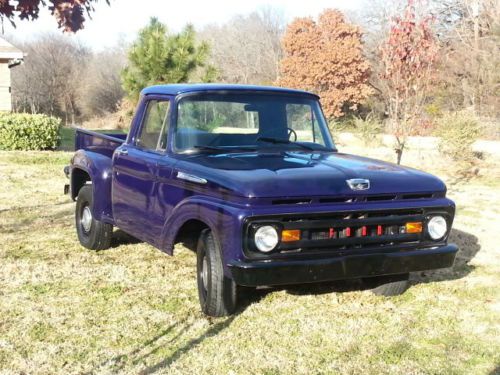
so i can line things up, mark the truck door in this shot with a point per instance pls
(135, 165)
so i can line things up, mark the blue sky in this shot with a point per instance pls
(124, 18)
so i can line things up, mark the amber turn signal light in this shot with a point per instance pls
(290, 235)
(414, 227)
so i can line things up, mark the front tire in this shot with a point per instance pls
(217, 293)
(391, 285)
(92, 234)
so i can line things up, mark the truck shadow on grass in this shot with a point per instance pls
(468, 248)
(214, 330)
(121, 238)
(169, 337)
(496, 370)
(173, 336)
(24, 217)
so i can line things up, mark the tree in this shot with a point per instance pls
(247, 49)
(408, 58)
(49, 79)
(60, 77)
(68, 13)
(158, 57)
(471, 56)
(101, 90)
(326, 57)
(375, 20)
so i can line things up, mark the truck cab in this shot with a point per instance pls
(249, 178)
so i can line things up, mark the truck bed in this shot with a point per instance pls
(98, 142)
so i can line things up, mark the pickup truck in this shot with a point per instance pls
(249, 178)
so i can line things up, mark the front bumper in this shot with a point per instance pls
(286, 272)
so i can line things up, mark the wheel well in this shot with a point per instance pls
(78, 179)
(189, 233)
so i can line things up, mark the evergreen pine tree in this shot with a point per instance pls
(158, 57)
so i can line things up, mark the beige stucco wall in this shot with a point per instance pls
(5, 97)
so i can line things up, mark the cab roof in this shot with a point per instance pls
(177, 89)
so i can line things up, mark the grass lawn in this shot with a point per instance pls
(132, 309)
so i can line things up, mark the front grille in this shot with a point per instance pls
(344, 231)
(353, 229)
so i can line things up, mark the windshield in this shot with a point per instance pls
(241, 121)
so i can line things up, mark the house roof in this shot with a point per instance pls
(8, 51)
(176, 89)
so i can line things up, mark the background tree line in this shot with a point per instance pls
(354, 61)
(63, 78)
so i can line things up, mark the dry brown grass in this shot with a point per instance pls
(132, 309)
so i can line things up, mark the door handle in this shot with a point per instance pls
(122, 151)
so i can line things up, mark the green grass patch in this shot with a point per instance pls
(36, 158)
(132, 309)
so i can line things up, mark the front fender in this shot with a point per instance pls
(224, 220)
(99, 168)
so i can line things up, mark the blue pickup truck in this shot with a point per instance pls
(249, 178)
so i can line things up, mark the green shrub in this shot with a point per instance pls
(22, 131)
(341, 124)
(433, 110)
(368, 129)
(458, 132)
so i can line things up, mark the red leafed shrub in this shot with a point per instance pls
(408, 56)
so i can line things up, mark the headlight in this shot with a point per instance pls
(437, 227)
(266, 238)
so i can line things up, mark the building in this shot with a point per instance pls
(10, 56)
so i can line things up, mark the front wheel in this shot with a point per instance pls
(217, 293)
(391, 285)
(92, 234)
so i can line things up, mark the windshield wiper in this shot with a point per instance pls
(225, 149)
(284, 142)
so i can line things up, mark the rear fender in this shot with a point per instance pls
(99, 168)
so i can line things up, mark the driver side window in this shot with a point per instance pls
(302, 120)
(154, 130)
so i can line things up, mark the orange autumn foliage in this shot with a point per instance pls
(326, 57)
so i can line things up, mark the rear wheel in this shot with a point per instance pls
(92, 234)
(217, 293)
(390, 285)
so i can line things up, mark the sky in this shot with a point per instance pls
(123, 18)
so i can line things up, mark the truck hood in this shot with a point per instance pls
(299, 174)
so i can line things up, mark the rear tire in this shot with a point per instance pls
(391, 285)
(217, 293)
(92, 234)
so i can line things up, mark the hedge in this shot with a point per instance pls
(22, 131)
